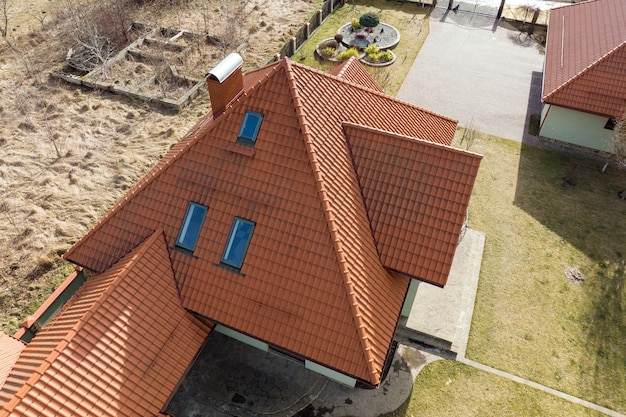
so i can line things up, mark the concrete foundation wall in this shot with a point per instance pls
(334, 375)
(575, 127)
(242, 337)
(410, 298)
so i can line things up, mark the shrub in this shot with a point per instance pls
(330, 43)
(355, 24)
(352, 52)
(372, 49)
(373, 56)
(369, 20)
(385, 56)
(339, 38)
(327, 52)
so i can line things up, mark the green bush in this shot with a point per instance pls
(352, 52)
(372, 49)
(373, 56)
(385, 56)
(369, 20)
(355, 24)
(327, 52)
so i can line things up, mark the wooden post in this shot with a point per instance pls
(501, 9)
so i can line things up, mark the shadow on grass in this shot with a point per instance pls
(605, 325)
(575, 200)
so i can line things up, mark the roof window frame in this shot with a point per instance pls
(183, 233)
(245, 137)
(226, 258)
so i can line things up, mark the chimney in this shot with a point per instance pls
(225, 82)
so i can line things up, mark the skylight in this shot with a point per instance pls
(250, 128)
(238, 241)
(190, 229)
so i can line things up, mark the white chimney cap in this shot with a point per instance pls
(226, 67)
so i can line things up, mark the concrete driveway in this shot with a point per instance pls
(480, 71)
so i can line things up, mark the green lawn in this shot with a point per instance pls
(529, 320)
(408, 18)
(448, 388)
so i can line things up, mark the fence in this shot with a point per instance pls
(301, 36)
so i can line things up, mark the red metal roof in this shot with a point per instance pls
(315, 279)
(118, 348)
(586, 57)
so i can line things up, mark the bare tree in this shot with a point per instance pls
(5, 6)
(470, 134)
(231, 32)
(91, 49)
(617, 147)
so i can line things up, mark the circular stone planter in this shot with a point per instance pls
(383, 35)
(341, 48)
(379, 64)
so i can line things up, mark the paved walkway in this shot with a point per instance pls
(441, 317)
(479, 71)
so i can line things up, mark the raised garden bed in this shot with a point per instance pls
(166, 66)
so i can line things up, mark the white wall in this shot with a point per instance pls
(575, 127)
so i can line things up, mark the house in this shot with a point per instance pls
(293, 217)
(584, 87)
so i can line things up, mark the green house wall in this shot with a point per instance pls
(575, 127)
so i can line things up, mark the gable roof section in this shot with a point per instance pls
(312, 282)
(10, 349)
(118, 348)
(586, 57)
(417, 194)
(351, 71)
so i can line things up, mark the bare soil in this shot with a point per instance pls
(67, 153)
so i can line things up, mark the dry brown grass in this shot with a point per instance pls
(67, 154)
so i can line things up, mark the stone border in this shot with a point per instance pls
(379, 64)
(347, 28)
(333, 59)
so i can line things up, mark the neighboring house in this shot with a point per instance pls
(584, 83)
(293, 217)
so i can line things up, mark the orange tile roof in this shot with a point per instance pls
(312, 282)
(10, 349)
(118, 348)
(350, 70)
(586, 57)
(416, 223)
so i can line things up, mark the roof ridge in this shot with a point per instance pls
(585, 70)
(411, 138)
(75, 328)
(369, 90)
(330, 218)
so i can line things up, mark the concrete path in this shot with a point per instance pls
(540, 387)
(441, 317)
(479, 71)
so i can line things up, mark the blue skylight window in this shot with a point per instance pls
(190, 229)
(238, 241)
(250, 128)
